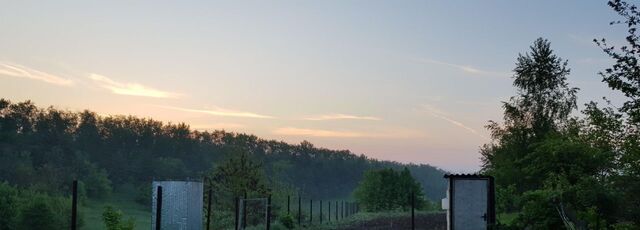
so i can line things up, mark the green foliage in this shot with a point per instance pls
(552, 170)
(287, 221)
(622, 126)
(97, 183)
(37, 214)
(8, 206)
(240, 175)
(387, 189)
(113, 220)
(143, 194)
(542, 105)
(26, 209)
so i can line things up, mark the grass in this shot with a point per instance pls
(124, 200)
(357, 218)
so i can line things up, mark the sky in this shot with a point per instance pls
(408, 81)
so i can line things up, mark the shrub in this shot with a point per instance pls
(113, 220)
(37, 215)
(8, 206)
(143, 194)
(287, 221)
(97, 183)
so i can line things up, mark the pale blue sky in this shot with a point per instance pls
(412, 81)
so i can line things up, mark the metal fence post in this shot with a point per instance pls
(159, 208)
(269, 213)
(288, 204)
(237, 201)
(299, 210)
(209, 207)
(74, 205)
(320, 211)
(337, 210)
(244, 211)
(310, 211)
(329, 214)
(413, 206)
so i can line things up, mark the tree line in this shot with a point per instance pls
(44, 149)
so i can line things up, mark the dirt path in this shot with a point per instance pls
(431, 221)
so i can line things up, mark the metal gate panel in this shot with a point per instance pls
(470, 204)
(182, 204)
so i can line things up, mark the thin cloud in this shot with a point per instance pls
(387, 134)
(442, 115)
(131, 89)
(220, 112)
(217, 126)
(339, 116)
(291, 131)
(465, 68)
(19, 71)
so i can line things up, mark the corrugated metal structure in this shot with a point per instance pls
(182, 204)
(470, 202)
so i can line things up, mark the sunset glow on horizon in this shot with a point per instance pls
(411, 81)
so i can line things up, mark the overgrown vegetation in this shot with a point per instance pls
(558, 171)
(29, 209)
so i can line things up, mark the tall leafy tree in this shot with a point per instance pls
(543, 103)
(541, 154)
(624, 76)
(240, 175)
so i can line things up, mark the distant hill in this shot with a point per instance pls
(47, 147)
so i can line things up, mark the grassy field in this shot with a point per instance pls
(124, 200)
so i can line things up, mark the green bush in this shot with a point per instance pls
(37, 215)
(143, 194)
(287, 221)
(97, 183)
(8, 206)
(113, 220)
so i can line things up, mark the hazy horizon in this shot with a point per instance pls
(412, 82)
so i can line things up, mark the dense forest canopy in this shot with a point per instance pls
(46, 148)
